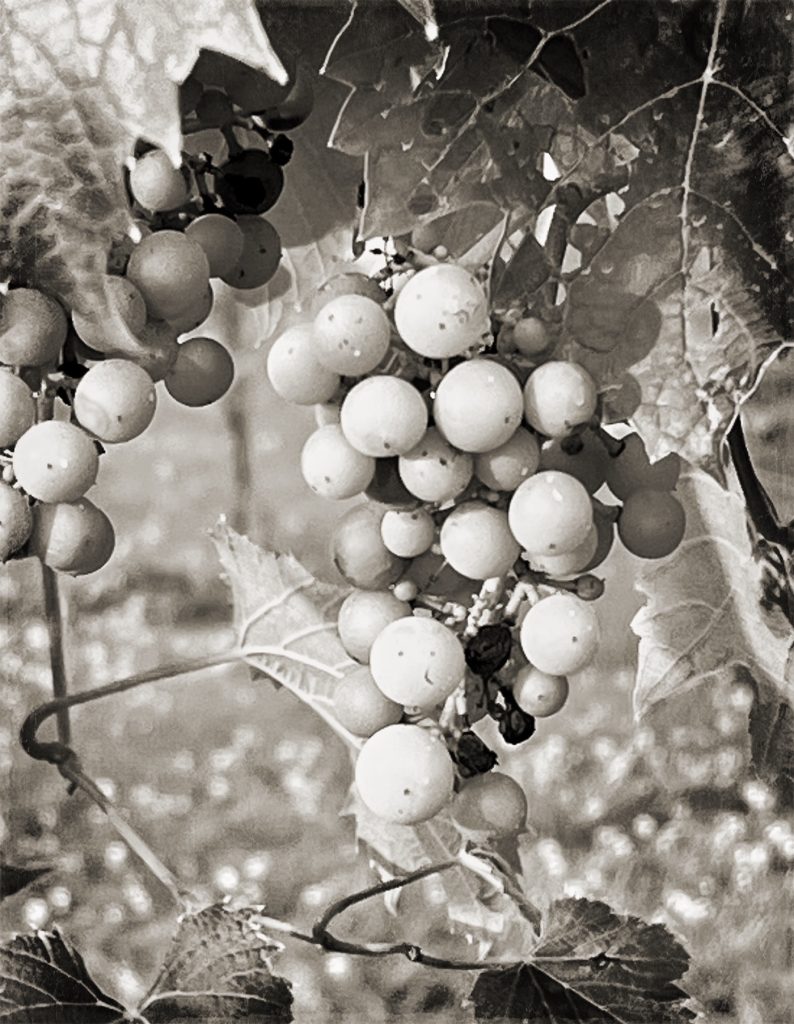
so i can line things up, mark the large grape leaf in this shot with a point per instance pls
(590, 964)
(219, 967)
(43, 979)
(78, 84)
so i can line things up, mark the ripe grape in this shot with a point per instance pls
(16, 520)
(559, 397)
(387, 486)
(220, 238)
(358, 551)
(631, 470)
(433, 575)
(332, 467)
(530, 336)
(96, 328)
(384, 415)
(115, 401)
(651, 523)
(570, 562)
(538, 693)
(442, 311)
(249, 182)
(171, 272)
(32, 328)
(505, 467)
(417, 662)
(261, 254)
(17, 408)
(347, 283)
(435, 471)
(156, 184)
(156, 349)
(293, 369)
(202, 372)
(55, 461)
(550, 513)
(477, 542)
(492, 803)
(478, 405)
(560, 634)
(408, 533)
(351, 335)
(405, 590)
(294, 108)
(582, 456)
(74, 537)
(214, 109)
(605, 525)
(362, 616)
(404, 774)
(361, 707)
(195, 316)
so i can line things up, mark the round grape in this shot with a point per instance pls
(408, 532)
(333, 468)
(442, 311)
(404, 774)
(478, 405)
(530, 336)
(202, 372)
(214, 109)
(406, 590)
(384, 415)
(327, 413)
(96, 328)
(560, 635)
(74, 537)
(32, 328)
(351, 335)
(632, 470)
(358, 551)
(295, 107)
(251, 90)
(55, 461)
(582, 456)
(505, 467)
(347, 283)
(17, 408)
(195, 316)
(559, 397)
(171, 273)
(220, 238)
(293, 369)
(16, 520)
(115, 401)
(249, 182)
(433, 575)
(435, 471)
(651, 523)
(493, 803)
(362, 616)
(361, 707)
(605, 525)
(261, 254)
(538, 693)
(477, 541)
(569, 563)
(156, 184)
(550, 513)
(417, 662)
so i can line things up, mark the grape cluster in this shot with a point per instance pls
(472, 563)
(193, 224)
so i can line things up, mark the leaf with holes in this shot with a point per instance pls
(590, 964)
(219, 967)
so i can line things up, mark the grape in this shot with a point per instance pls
(249, 182)
(384, 415)
(362, 616)
(220, 238)
(631, 470)
(32, 328)
(406, 590)
(530, 336)
(442, 311)
(433, 575)
(493, 803)
(296, 106)
(559, 397)
(202, 373)
(195, 316)
(17, 408)
(293, 369)
(477, 542)
(122, 299)
(560, 634)
(214, 109)
(156, 184)
(417, 662)
(171, 272)
(408, 533)
(360, 706)
(74, 537)
(651, 523)
(478, 405)
(347, 283)
(570, 563)
(214, 68)
(435, 471)
(327, 413)
(115, 400)
(351, 335)
(550, 513)
(582, 456)
(358, 551)
(189, 94)
(489, 649)
(252, 90)
(16, 520)
(261, 254)
(605, 525)
(387, 487)
(332, 467)
(404, 774)
(156, 350)
(538, 693)
(503, 468)
(55, 461)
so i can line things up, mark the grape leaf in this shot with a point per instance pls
(219, 967)
(590, 964)
(423, 11)
(43, 978)
(78, 85)
(12, 879)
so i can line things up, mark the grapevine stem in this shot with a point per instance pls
(54, 618)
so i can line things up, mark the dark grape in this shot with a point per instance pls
(249, 182)
(471, 755)
(281, 149)
(489, 650)
(515, 725)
